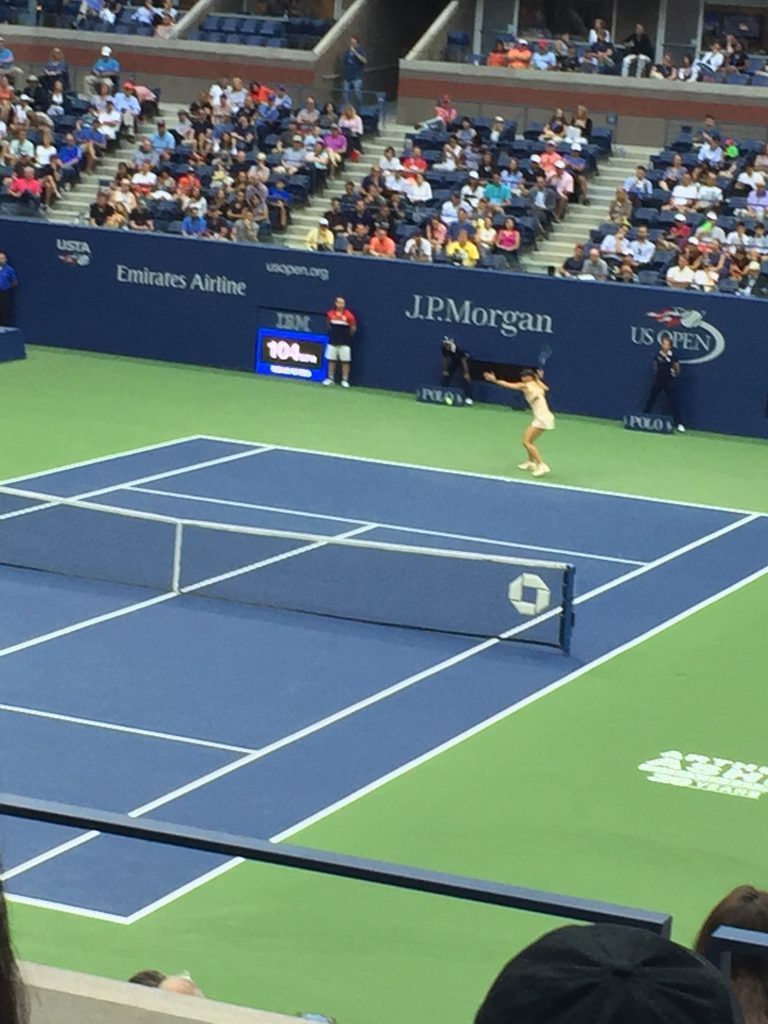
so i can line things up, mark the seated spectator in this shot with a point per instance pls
(497, 132)
(381, 244)
(497, 192)
(164, 30)
(570, 61)
(309, 115)
(599, 28)
(600, 56)
(358, 240)
(144, 14)
(611, 974)
(711, 152)
(563, 184)
(665, 69)
(615, 246)
(417, 248)
(55, 68)
(743, 907)
(449, 211)
(543, 201)
(678, 235)
(445, 111)
(573, 266)
(680, 274)
(576, 166)
(595, 266)
(710, 193)
(246, 229)
(100, 210)
(414, 162)
(118, 218)
(144, 179)
(512, 175)
(714, 259)
(25, 186)
(747, 180)
(462, 223)
(486, 235)
(351, 125)
(194, 225)
(709, 63)
(543, 58)
(436, 233)
(108, 121)
(105, 69)
(294, 157)
(688, 71)
(497, 58)
(336, 147)
(473, 191)
(684, 196)
(737, 265)
(641, 248)
(519, 55)
(320, 238)
(561, 45)
(20, 147)
(759, 241)
(639, 53)
(637, 186)
(757, 201)
(487, 166)
(418, 190)
(70, 157)
(554, 129)
(508, 242)
(673, 174)
(748, 281)
(623, 271)
(462, 251)
(129, 109)
(466, 133)
(620, 210)
(736, 60)
(8, 65)
(161, 139)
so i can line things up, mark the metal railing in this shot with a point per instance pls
(398, 876)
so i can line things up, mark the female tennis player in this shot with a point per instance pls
(535, 392)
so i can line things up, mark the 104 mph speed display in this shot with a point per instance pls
(291, 354)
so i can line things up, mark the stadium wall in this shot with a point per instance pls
(183, 300)
(68, 997)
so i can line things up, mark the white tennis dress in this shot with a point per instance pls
(536, 397)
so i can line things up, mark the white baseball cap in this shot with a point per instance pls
(535, 159)
(560, 163)
(323, 221)
(576, 146)
(106, 51)
(680, 216)
(473, 174)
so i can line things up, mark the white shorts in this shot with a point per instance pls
(544, 424)
(338, 353)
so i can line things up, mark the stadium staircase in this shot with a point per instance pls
(582, 219)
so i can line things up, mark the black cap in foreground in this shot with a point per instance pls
(608, 974)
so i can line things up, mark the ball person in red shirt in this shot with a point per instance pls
(342, 325)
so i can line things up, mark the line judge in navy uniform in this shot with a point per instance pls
(666, 373)
(8, 283)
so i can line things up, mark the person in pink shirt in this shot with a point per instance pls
(446, 111)
(549, 158)
(436, 233)
(563, 184)
(336, 147)
(26, 184)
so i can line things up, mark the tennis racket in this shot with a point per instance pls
(544, 356)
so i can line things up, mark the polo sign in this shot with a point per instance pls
(439, 395)
(649, 422)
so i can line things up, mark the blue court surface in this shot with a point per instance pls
(257, 721)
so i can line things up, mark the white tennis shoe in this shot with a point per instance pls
(541, 469)
(345, 383)
(329, 382)
(526, 465)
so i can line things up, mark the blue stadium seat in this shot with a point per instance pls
(211, 23)
(759, 80)
(275, 42)
(229, 25)
(737, 79)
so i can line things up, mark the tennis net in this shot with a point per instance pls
(342, 576)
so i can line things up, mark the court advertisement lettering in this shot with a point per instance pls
(711, 774)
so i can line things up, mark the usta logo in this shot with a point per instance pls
(74, 253)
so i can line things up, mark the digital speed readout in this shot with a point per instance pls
(291, 354)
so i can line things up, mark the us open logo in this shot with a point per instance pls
(694, 339)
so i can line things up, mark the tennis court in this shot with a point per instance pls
(262, 720)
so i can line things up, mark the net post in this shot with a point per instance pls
(567, 614)
(178, 540)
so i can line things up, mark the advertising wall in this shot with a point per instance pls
(205, 302)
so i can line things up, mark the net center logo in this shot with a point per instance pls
(73, 252)
(694, 339)
(712, 774)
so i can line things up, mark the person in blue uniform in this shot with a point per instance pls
(8, 284)
(456, 359)
(666, 373)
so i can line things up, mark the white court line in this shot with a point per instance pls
(193, 467)
(523, 481)
(391, 690)
(442, 748)
(55, 716)
(188, 787)
(114, 456)
(389, 526)
(66, 908)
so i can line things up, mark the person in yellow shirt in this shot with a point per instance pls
(320, 238)
(463, 250)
